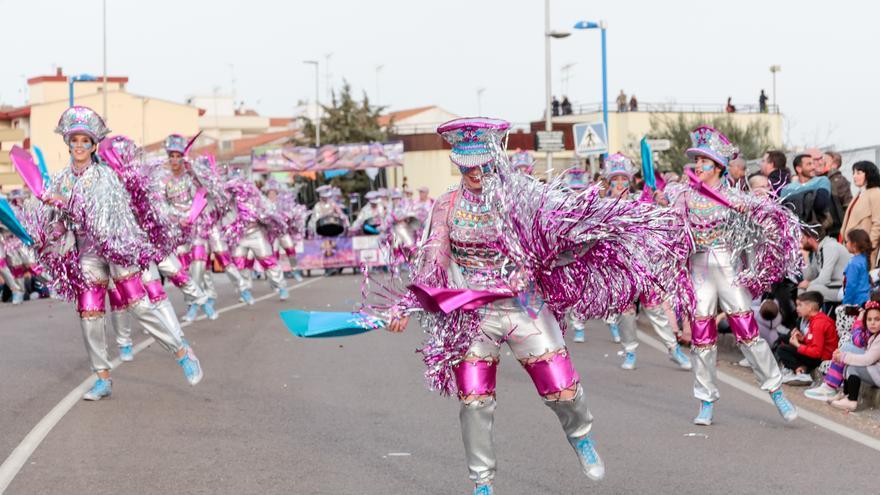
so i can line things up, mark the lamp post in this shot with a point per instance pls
(548, 93)
(75, 79)
(378, 95)
(317, 103)
(104, 86)
(774, 69)
(601, 26)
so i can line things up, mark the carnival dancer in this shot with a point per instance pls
(523, 161)
(180, 189)
(742, 244)
(499, 235)
(248, 232)
(284, 202)
(327, 218)
(619, 171)
(575, 182)
(9, 244)
(86, 233)
(369, 218)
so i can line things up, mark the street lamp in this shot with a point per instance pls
(75, 79)
(774, 69)
(601, 26)
(548, 96)
(317, 103)
(378, 70)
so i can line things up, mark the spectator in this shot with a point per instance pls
(736, 174)
(807, 347)
(864, 210)
(861, 367)
(554, 107)
(566, 106)
(828, 260)
(807, 195)
(857, 282)
(621, 101)
(633, 104)
(730, 108)
(840, 186)
(773, 167)
(854, 342)
(762, 102)
(759, 185)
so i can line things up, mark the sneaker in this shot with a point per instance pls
(797, 379)
(678, 357)
(822, 392)
(209, 310)
(247, 298)
(629, 363)
(102, 388)
(704, 418)
(192, 370)
(483, 489)
(845, 404)
(17, 297)
(191, 313)
(578, 334)
(744, 363)
(591, 463)
(125, 354)
(615, 333)
(283, 294)
(297, 275)
(786, 409)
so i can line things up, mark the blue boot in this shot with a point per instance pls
(283, 294)
(678, 357)
(192, 369)
(191, 313)
(209, 310)
(247, 297)
(615, 333)
(591, 463)
(483, 490)
(102, 388)
(705, 416)
(786, 409)
(629, 363)
(579, 335)
(125, 354)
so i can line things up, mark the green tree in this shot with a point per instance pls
(752, 140)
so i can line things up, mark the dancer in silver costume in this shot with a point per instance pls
(369, 218)
(619, 172)
(86, 235)
(326, 209)
(742, 244)
(10, 271)
(285, 205)
(480, 241)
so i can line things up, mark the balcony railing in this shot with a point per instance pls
(582, 108)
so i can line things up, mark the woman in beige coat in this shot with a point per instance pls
(864, 210)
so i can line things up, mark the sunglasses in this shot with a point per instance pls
(486, 168)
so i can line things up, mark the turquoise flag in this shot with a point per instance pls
(323, 324)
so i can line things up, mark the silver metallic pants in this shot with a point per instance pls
(171, 269)
(528, 339)
(98, 273)
(714, 283)
(255, 241)
(198, 269)
(659, 322)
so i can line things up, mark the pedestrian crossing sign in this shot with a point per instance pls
(591, 138)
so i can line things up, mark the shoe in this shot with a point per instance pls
(797, 379)
(483, 490)
(744, 363)
(191, 313)
(704, 418)
(247, 298)
(297, 275)
(629, 363)
(209, 310)
(283, 294)
(678, 357)
(839, 395)
(578, 334)
(102, 388)
(192, 370)
(822, 392)
(786, 372)
(845, 404)
(125, 354)
(615, 333)
(786, 409)
(591, 463)
(17, 297)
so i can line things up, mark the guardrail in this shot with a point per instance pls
(582, 108)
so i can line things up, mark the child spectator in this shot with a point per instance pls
(808, 346)
(853, 342)
(857, 282)
(861, 367)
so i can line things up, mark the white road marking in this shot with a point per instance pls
(754, 391)
(20, 455)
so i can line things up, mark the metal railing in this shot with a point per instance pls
(432, 128)
(672, 107)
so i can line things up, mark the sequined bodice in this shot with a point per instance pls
(179, 192)
(707, 220)
(475, 238)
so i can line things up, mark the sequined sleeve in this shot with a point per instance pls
(433, 255)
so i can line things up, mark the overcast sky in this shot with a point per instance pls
(442, 52)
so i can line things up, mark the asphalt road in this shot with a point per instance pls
(277, 414)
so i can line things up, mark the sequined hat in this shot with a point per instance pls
(397, 194)
(424, 189)
(574, 178)
(618, 164)
(175, 142)
(272, 185)
(325, 191)
(81, 120)
(713, 145)
(470, 138)
(523, 159)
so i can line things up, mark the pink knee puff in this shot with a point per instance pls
(553, 375)
(475, 377)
